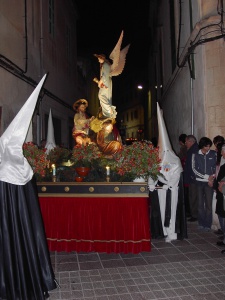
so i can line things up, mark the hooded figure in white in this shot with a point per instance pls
(171, 171)
(50, 143)
(25, 266)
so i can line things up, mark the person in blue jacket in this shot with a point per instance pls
(204, 167)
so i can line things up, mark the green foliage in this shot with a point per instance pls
(85, 155)
(57, 155)
(36, 158)
(139, 159)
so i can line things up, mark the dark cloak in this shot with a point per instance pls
(25, 268)
(219, 196)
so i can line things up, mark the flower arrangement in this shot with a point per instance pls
(84, 155)
(36, 158)
(140, 159)
(57, 155)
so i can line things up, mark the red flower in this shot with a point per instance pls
(140, 159)
(36, 158)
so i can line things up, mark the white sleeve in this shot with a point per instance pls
(173, 178)
(151, 184)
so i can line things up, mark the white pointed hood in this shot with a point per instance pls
(50, 143)
(163, 139)
(14, 167)
(169, 160)
(29, 137)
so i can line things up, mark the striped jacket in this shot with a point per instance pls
(204, 165)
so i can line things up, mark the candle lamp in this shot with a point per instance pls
(107, 173)
(53, 173)
(107, 170)
(53, 170)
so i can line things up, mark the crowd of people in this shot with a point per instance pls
(201, 171)
(204, 182)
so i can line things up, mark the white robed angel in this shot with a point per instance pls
(107, 70)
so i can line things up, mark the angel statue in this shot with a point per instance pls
(104, 125)
(107, 70)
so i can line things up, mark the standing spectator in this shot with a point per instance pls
(182, 154)
(221, 201)
(183, 149)
(189, 179)
(219, 185)
(218, 139)
(216, 220)
(204, 167)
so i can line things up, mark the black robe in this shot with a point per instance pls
(25, 268)
(155, 215)
(219, 196)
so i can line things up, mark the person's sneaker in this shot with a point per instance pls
(168, 240)
(207, 229)
(218, 232)
(192, 219)
(220, 243)
(200, 227)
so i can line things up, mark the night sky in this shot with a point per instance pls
(100, 24)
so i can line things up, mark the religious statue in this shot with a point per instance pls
(81, 122)
(107, 70)
(108, 138)
(104, 124)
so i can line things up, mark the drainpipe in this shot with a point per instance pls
(192, 72)
(40, 118)
(192, 107)
(41, 39)
(26, 42)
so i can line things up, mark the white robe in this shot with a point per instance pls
(170, 169)
(105, 92)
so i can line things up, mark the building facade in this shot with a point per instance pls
(39, 37)
(186, 67)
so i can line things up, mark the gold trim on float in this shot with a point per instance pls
(98, 241)
(58, 183)
(85, 195)
(68, 189)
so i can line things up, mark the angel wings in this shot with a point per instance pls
(118, 57)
